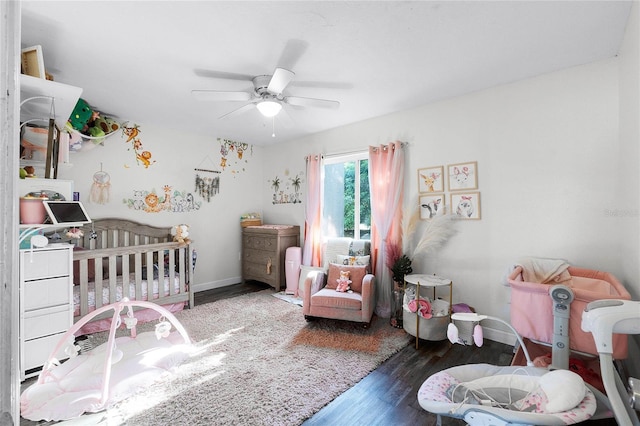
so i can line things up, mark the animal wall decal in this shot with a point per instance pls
(291, 192)
(237, 164)
(132, 132)
(171, 201)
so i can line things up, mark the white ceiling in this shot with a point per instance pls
(139, 60)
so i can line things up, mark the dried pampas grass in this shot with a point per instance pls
(424, 237)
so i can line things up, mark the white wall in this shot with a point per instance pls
(215, 227)
(548, 152)
(629, 181)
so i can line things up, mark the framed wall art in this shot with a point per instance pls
(463, 176)
(431, 179)
(431, 205)
(466, 205)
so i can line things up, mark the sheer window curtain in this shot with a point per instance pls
(312, 248)
(386, 181)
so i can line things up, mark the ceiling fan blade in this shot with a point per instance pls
(293, 51)
(222, 74)
(280, 79)
(312, 102)
(217, 95)
(238, 111)
(284, 118)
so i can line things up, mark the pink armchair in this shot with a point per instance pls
(322, 299)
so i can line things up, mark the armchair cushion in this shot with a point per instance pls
(328, 298)
(356, 274)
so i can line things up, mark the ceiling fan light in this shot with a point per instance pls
(269, 108)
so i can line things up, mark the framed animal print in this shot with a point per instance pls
(463, 176)
(431, 205)
(431, 179)
(466, 205)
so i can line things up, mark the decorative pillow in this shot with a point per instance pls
(360, 248)
(353, 260)
(304, 271)
(356, 274)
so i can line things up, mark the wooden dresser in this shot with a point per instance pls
(263, 252)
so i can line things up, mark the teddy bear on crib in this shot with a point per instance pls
(344, 283)
(181, 234)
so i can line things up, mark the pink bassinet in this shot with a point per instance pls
(532, 307)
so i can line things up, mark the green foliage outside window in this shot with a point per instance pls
(349, 196)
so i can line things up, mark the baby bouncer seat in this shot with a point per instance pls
(484, 394)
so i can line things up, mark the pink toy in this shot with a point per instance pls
(425, 308)
(344, 283)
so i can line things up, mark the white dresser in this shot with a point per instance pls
(46, 304)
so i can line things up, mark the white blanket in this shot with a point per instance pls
(545, 271)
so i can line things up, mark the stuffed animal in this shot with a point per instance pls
(423, 307)
(344, 283)
(180, 234)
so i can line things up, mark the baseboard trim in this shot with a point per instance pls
(216, 284)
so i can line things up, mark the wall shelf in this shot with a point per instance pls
(49, 104)
(42, 99)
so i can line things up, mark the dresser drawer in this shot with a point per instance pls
(42, 264)
(259, 256)
(268, 243)
(45, 293)
(43, 322)
(37, 351)
(258, 272)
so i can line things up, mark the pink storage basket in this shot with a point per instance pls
(532, 308)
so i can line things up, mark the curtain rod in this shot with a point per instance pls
(375, 148)
(355, 151)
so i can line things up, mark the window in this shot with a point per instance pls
(346, 205)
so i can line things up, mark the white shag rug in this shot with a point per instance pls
(260, 363)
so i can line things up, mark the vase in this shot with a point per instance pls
(397, 298)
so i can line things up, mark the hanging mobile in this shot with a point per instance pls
(207, 186)
(100, 187)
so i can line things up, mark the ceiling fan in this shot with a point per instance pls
(267, 94)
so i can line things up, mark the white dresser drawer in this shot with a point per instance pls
(45, 293)
(43, 264)
(37, 351)
(43, 322)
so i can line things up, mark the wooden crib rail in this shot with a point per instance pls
(122, 233)
(137, 260)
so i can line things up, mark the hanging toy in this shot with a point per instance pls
(100, 187)
(163, 328)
